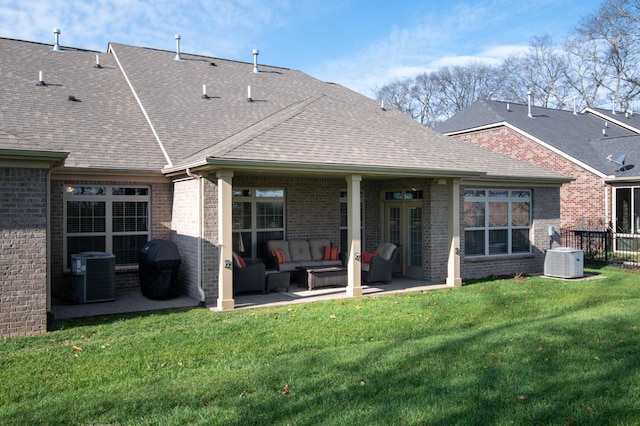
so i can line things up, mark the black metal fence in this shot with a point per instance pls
(603, 246)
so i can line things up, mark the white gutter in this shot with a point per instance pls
(200, 231)
(144, 112)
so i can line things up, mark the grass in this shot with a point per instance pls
(521, 351)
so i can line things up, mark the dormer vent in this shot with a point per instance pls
(56, 38)
(40, 80)
(97, 65)
(255, 53)
(177, 57)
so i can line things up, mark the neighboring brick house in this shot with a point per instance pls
(587, 146)
(137, 144)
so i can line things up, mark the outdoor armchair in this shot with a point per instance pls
(380, 268)
(251, 277)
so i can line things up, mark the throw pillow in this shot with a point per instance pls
(279, 254)
(327, 253)
(335, 253)
(331, 253)
(239, 261)
(366, 257)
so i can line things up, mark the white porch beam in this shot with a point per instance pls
(354, 239)
(453, 228)
(225, 247)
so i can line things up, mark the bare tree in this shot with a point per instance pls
(613, 32)
(463, 85)
(541, 71)
(600, 60)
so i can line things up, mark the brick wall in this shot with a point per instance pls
(582, 199)
(127, 279)
(546, 212)
(185, 233)
(313, 211)
(23, 252)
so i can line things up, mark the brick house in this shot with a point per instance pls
(116, 148)
(599, 149)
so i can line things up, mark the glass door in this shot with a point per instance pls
(403, 227)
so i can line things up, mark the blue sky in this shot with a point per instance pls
(361, 44)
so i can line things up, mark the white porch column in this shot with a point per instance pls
(453, 205)
(354, 239)
(225, 273)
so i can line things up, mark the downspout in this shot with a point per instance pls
(50, 319)
(200, 232)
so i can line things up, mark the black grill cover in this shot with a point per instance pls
(158, 263)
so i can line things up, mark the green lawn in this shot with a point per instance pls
(523, 351)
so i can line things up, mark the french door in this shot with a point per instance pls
(403, 227)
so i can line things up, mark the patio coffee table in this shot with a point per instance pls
(322, 276)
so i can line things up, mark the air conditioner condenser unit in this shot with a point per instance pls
(93, 277)
(564, 262)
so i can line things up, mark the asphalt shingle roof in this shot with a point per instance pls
(143, 110)
(294, 118)
(103, 128)
(577, 135)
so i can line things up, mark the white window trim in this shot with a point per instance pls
(254, 199)
(510, 228)
(108, 198)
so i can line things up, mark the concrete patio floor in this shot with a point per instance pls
(134, 301)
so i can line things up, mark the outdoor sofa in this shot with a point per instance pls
(287, 255)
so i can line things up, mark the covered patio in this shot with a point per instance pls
(134, 301)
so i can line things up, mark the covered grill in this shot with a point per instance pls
(158, 263)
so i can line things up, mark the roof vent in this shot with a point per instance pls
(97, 65)
(382, 105)
(249, 98)
(529, 104)
(255, 61)
(613, 104)
(575, 106)
(177, 57)
(56, 37)
(508, 107)
(40, 80)
(204, 92)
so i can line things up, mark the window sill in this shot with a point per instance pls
(498, 257)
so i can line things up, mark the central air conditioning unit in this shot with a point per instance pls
(93, 277)
(564, 262)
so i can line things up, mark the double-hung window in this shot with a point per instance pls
(258, 216)
(496, 221)
(107, 218)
